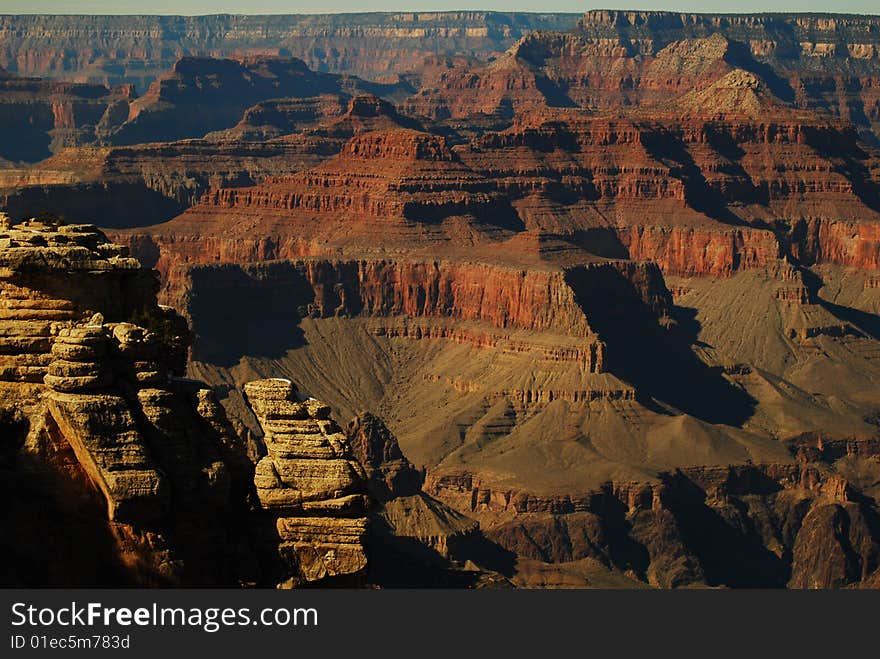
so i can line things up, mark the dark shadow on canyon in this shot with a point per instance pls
(404, 562)
(237, 313)
(740, 54)
(668, 149)
(848, 159)
(498, 213)
(108, 205)
(27, 139)
(625, 552)
(554, 93)
(55, 530)
(867, 323)
(658, 361)
(600, 241)
(726, 542)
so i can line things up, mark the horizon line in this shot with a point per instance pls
(445, 11)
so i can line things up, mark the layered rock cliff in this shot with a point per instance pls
(136, 49)
(126, 186)
(149, 457)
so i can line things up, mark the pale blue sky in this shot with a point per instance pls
(327, 6)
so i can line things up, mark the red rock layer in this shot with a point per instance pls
(699, 194)
(407, 184)
(502, 297)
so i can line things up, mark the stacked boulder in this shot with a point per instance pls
(100, 425)
(80, 358)
(310, 485)
(138, 355)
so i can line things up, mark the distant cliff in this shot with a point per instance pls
(136, 49)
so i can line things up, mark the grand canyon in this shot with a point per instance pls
(461, 299)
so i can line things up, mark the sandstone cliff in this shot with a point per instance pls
(149, 457)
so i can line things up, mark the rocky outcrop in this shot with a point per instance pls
(53, 277)
(835, 547)
(389, 473)
(147, 448)
(310, 484)
(153, 462)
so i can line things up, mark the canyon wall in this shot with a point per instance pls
(476, 303)
(136, 49)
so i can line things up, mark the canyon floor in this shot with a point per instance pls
(600, 297)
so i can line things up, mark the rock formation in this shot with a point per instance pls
(389, 473)
(311, 484)
(131, 437)
(140, 443)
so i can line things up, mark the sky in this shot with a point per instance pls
(328, 6)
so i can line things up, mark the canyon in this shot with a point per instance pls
(137, 469)
(114, 50)
(588, 302)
